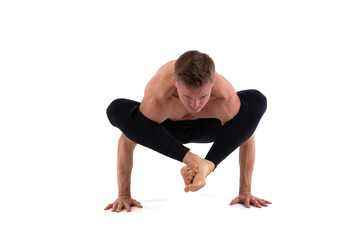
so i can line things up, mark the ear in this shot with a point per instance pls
(175, 83)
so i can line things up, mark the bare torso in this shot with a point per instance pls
(161, 100)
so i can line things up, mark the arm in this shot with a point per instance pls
(154, 109)
(246, 161)
(124, 166)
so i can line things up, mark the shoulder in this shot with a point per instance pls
(161, 80)
(223, 89)
(167, 68)
(227, 108)
(228, 101)
(155, 104)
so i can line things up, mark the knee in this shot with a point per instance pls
(259, 101)
(113, 111)
(117, 111)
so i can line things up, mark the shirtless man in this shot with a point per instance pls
(188, 101)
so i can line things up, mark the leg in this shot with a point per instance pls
(236, 131)
(125, 115)
(233, 134)
(195, 172)
(195, 131)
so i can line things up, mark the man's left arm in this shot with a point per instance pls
(246, 162)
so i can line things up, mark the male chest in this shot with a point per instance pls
(221, 109)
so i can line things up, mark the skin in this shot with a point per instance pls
(165, 98)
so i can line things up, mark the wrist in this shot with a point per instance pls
(245, 185)
(124, 195)
(245, 191)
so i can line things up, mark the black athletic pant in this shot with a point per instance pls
(168, 137)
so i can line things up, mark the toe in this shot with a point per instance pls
(185, 169)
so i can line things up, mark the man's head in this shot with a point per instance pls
(194, 75)
(194, 69)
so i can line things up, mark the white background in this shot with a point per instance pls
(63, 62)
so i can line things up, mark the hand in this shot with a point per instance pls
(248, 198)
(123, 202)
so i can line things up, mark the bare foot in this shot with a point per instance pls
(188, 172)
(198, 169)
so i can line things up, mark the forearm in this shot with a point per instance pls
(246, 161)
(124, 168)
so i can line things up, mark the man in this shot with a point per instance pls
(188, 101)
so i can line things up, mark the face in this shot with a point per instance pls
(194, 100)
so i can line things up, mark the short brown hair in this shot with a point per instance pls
(194, 69)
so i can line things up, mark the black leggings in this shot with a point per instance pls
(168, 137)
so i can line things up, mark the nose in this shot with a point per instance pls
(195, 104)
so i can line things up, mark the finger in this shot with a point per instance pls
(114, 207)
(108, 207)
(262, 203)
(234, 201)
(136, 203)
(255, 203)
(266, 201)
(127, 207)
(247, 202)
(187, 189)
(263, 200)
(119, 207)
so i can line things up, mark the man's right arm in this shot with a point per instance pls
(124, 166)
(153, 109)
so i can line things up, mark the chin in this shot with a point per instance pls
(194, 111)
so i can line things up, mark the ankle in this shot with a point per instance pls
(189, 157)
(211, 166)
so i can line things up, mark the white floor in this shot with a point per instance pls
(69, 203)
